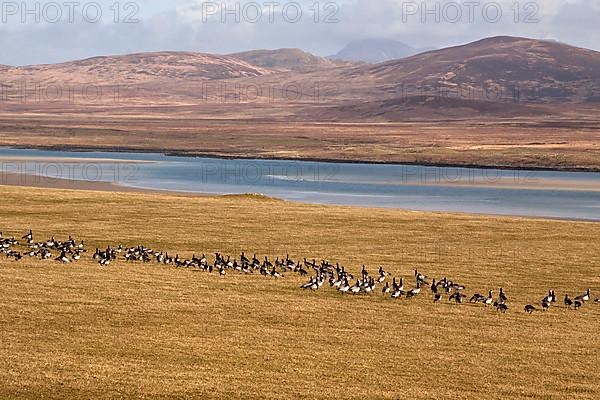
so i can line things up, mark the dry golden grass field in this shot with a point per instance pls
(154, 331)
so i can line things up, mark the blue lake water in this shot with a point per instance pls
(549, 194)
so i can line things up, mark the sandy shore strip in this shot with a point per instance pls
(73, 160)
(31, 180)
(9, 179)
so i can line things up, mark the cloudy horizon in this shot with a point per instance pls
(50, 32)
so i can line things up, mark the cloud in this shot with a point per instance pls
(186, 25)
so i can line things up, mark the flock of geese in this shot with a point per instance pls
(70, 251)
(341, 280)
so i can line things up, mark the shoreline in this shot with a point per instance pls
(180, 153)
(42, 182)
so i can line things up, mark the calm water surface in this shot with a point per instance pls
(489, 191)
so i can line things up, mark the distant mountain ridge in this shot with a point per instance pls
(286, 59)
(374, 51)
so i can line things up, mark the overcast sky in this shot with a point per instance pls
(65, 32)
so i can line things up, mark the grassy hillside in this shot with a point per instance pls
(150, 331)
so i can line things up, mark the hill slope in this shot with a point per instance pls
(548, 71)
(500, 76)
(138, 68)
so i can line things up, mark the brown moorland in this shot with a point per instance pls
(190, 103)
(151, 331)
(569, 143)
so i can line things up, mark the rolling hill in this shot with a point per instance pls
(138, 68)
(543, 71)
(500, 76)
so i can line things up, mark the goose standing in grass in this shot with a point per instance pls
(345, 286)
(434, 287)
(502, 297)
(356, 288)
(457, 296)
(308, 284)
(437, 298)
(477, 297)
(415, 291)
(369, 287)
(318, 283)
(288, 263)
(397, 288)
(545, 305)
(320, 280)
(28, 237)
(386, 289)
(529, 309)
(420, 277)
(335, 282)
(14, 254)
(364, 273)
(275, 274)
(400, 285)
(548, 299)
(45, 254)
(503, 308)
(568, 302)
(551, 297)
(382, 275)
(584, 297)
(268, 263)
(577, 304)
(63, 257)
(300, 270)
(489, 300)
(396, 294)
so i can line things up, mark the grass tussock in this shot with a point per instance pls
(252, 196)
